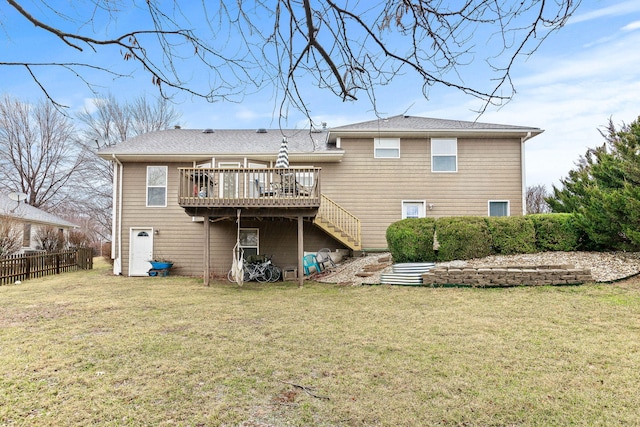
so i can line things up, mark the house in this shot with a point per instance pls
(30, 220)
(189, 195)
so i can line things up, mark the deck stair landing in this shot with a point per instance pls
(409, 273)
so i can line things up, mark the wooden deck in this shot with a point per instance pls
(268, 189)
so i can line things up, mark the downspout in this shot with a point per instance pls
(523, 171)
(117, 216)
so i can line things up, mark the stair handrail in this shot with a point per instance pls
(340, 218)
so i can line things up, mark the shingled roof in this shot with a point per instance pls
(28, 213)
(304, 145)
(198, 142)
(405, 123)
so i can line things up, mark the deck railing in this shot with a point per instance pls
(249, 188)
(340, 222)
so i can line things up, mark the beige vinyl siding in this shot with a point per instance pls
(182, 240)
(177, 232)
(373, 189)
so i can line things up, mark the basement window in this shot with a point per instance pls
(249, 241)
(498, 208)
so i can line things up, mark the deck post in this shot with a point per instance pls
(207, 246)
(300, 251)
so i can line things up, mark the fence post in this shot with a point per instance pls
(27, 267)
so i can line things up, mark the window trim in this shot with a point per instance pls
(407, 203)
(377, 141)
(165, 186)
(508, 202)
(455, 154)
(257, 232)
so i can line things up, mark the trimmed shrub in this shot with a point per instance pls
(411, 240)
(462, 238)
(557, 232)
(512, 234)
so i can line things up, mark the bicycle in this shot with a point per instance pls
(260, 269)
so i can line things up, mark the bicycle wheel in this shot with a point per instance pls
(275, 273)
(265, 276)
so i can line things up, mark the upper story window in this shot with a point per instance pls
(498, 208)
(444, 155)
(157, 186)
(386, 148)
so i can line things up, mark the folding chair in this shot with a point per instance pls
(323, 257)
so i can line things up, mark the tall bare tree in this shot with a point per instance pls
(39, 152)
(226, 49)
(536, 199)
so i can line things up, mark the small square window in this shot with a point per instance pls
(413, 209)
(386, 148)
(498, 208)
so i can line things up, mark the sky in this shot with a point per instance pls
(581, 76)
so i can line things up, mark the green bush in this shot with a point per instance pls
(512, 234)
(411, 240)
(556, 232)
(462, 238)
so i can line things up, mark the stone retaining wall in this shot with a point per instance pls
(507, 276)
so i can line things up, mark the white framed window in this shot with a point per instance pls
(386, 148)
(444, 155)
(250, 241)
(498, 208)
(157, 186)
(413, 209)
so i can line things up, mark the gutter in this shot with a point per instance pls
(523, 171)
(116, 215)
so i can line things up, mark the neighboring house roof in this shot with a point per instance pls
(410, 125)
(27, 213)
(196, 144)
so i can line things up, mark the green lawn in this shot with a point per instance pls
(88, 348)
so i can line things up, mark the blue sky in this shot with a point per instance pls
(580, 77)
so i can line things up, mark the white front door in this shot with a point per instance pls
(140, 251)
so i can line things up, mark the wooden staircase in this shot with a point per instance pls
(339, 223)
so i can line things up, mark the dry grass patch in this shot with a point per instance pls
(87, 348)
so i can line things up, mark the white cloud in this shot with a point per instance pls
(618, 9)
(635, 25)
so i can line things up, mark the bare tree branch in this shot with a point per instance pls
(235, 48)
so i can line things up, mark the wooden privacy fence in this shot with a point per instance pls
(23, 267)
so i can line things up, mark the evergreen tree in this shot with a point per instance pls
(603, 190)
